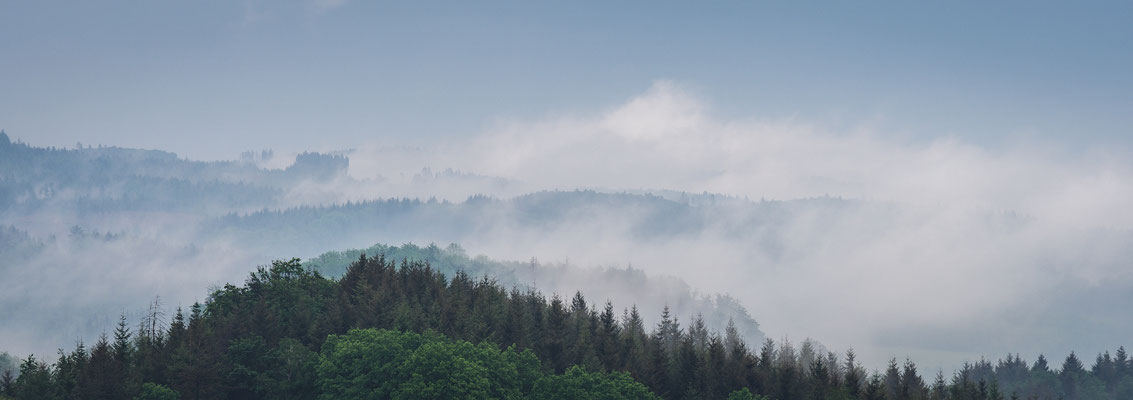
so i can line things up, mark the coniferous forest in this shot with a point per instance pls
(385, 330)
(740, 200)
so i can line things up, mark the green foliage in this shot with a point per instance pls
(408, 332)
(577, 383)
(450, 260)
(108, 179)
(375, 364)
(745, 394)
(292, 371)
(153, 391)
(378, 364)
(34, 381)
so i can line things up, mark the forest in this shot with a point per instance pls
(105, 203)
(343, 199)
(385, 330)
(649, 292)
(101, 179)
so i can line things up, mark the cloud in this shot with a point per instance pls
(666, 139)
(941, 250)
(937, 233)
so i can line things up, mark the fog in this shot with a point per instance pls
(943, 251)
(938, 250)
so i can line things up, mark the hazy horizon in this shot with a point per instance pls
(942, 183)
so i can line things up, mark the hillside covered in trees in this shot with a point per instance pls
(558, 200)
(407, 331)
(650, 293)
(200, 224)
(204, 222)
(92, 180)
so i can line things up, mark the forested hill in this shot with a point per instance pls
(98, 206)
(101, 179)
(389, 331)
(621, 285)
(567, 216)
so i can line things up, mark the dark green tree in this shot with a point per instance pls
(34, 381)
(577, 383)
(153, 391)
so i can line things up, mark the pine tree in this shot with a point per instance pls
(658, 368)
(34, 381)
(177, 329)
(587, 324)
(1040, 365)
(733, 342)
(939, 387)
(67, 370)
(687, 374)
(738, 362)
(123, 355)
(698, 332)
(912, 386)
(195, 364)
(1105, 370)
(1071, 371)
(669, 331)
(835, 372)
(1122, 364)
(875, 388)
(993, 392)
(893, 381)
(766, 367)
(855, 375)
(102, 378)
(608, 332)
(553, 339)
(819, 379)
(716, 378)
(80, 360)
(788, 372)
(514, 330)
(634, 343)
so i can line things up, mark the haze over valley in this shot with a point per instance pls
(634, 200)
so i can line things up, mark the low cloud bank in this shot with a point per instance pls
(945, 250)
(939, 250)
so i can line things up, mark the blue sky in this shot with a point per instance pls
(212, 78)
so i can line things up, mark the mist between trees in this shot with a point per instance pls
(288, 332)
(94, 231)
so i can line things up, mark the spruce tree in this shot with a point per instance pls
(874, 389)
(1121, 363)
(893, 381)
(607, 338)
(34, 381)
(1040, 365)
(855, 375)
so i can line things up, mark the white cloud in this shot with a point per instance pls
(949, 233)
(951, 250)
(666, 139)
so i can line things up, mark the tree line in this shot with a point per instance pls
(290, 333)
(624, 285)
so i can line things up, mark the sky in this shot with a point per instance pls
(210, 79)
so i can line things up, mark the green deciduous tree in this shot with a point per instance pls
(577, 383)
(153, 391)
